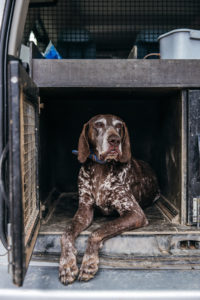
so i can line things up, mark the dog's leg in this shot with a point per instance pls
(68, 269)
(127, 221)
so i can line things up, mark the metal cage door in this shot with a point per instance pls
(23, 169)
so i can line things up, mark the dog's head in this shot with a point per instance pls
(107, 136)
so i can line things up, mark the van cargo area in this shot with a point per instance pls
(94, 39)
(67, 62)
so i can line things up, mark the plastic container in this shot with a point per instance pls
(180, 44)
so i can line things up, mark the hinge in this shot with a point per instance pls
(9, 248)
(42, 210)
(196, 207)
(40, 105)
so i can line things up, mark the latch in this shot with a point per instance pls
(196, 207)
(40, 105)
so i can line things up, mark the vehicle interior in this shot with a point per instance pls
(89, 57)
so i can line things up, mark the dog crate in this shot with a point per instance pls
(51, 100)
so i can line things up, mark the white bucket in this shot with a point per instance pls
(180, 44)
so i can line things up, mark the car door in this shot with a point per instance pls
(24, 204)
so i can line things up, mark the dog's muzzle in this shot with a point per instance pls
(113, 152)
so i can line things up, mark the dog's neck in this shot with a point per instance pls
(92, 156)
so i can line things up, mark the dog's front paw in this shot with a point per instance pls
(68, 269)
(89, 267)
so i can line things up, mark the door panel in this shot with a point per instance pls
(193, 156)
(23, 162)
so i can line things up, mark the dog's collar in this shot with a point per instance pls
(92, 156)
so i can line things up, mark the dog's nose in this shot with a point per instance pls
(114, 140)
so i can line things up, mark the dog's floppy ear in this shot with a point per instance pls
(126, 148)
(83, 145)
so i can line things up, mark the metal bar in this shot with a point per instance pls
(198, 216)
(5, 29)
(116, 73)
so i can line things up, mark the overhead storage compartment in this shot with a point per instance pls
(82, 29)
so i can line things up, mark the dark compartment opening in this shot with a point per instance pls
(154, 123)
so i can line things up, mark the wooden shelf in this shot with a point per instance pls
(116, 73)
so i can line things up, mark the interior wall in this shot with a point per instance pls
(153, 121)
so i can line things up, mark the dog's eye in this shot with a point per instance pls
(99, 124)
(118, 125)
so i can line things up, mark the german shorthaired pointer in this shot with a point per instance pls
(115, 182)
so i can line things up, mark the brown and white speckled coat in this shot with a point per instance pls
(122, 184)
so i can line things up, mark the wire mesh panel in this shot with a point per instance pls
(23, 168)
(28, 152)
(107, 28)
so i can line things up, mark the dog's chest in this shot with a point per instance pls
(105, 184)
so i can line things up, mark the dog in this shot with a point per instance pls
(111, 180)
